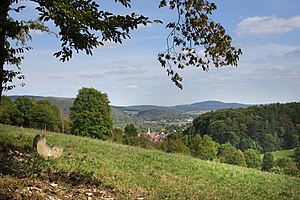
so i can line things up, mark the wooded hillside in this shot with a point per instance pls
(264, 128)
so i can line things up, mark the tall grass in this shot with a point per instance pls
(133, 172)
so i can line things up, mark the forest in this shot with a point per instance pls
(264, 128)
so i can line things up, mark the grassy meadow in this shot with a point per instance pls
(283, 154)
(132, 172)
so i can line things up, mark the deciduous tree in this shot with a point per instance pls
(30, 113)
(230, 155)
(194, 39)
(193, 29)
(45, 116)
(131, 135)
(288, 166)
(204, 148)
(130, 131)
(252, 158)
(175, 144)
(90, 114)
(7, 107)
(23, 112)
(264, 128)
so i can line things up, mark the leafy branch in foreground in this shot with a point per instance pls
(194, 40)
(82, 27)
(192, 30)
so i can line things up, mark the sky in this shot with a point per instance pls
(267, 72)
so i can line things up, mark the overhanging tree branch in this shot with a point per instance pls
(195, 39)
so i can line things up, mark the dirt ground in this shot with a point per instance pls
(18, 182)
(13, 189)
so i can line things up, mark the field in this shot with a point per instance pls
(281, 154)
(124, 172)
(197, 112)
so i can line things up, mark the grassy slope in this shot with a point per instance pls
(281, 154)
(134, 172)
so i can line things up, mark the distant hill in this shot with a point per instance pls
(14, 97)
(206, 106)
(127, 114)
(182, 109)
(156, 115)
(63, 103)
(140, 108)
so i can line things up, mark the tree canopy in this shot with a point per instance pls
(203, 147)
(230, 155)
(252, 158)
(268, 161)
(264, 128)
(30, 113)
(194, 39)
(90, 114)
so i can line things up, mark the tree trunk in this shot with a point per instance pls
(4, 8)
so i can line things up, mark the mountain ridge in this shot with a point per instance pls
(128, 114)
(201, 105)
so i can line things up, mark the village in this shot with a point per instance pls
(156, 136)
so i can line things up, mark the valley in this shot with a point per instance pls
(156, 118)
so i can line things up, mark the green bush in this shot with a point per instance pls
(230, 155)
(252, 158)
(297, 155)
(268, 161)
(204, 148)
(288, 166)
(176, 146)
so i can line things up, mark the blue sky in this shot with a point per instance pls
(268, 71)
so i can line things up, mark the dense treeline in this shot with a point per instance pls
(30, 113)
(263, 128)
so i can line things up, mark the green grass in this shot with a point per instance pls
(197, 112)
(133, 172)
(281, 154)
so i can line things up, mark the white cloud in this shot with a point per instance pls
(132, 86)
(90, 76)
(127, 71)
(36, 32)
(267, 25)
